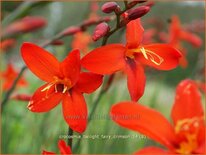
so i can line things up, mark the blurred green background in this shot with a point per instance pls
(24, 132)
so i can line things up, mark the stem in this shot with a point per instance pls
(8, 94)
(70, 133)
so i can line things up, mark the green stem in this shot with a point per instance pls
(8, 94)
(70, 133)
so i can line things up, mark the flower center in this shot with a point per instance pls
(188, 129)
(60, 85)
(149, 55)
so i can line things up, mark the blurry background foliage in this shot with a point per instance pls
(25, 132)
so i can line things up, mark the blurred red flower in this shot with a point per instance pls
(177, 34)
(130, 58)
(9, 75)
(64, 82)
(63, 148)
(187, 133)
(81, 41)
(27, 24)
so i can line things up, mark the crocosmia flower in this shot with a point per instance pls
(63, 148)
(186, 135)
(131, 58)
(9, 75)
(64, 82)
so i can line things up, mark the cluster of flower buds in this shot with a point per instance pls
(27, 24)
(101, 30)
(126, 15)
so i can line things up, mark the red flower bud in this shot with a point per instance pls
(150, 4)
(138, 12)
(7, 44)
(101, 30)
(57, 42)
(21, 97)
(109, 7)
(71, 30)
(26, 24)
(135, 2)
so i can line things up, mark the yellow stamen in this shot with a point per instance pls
(149, 55)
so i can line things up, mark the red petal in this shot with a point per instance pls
(144, 120)
(88, 82)
(135, 79)
(187, 101)
(43, 101)
(161, 56)
(46, 152)
(152, 151)
(191, 38)
(40, 62)
(105, 60)
(70, 67)
(134, 33)
(64, 149)
(75, 111)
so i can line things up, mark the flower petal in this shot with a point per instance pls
(191, 38)
(151, 151)
(75, 111)
(159, 56)
(134, 33)
(44, 100)
(64, 149)
(144, 120)
(135, 79)
(70, 67)
(88, 82)
(187, 101)
(105, 60)
(40, 62)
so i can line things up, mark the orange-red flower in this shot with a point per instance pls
(63, 148)
(177, 34)
(187, 133)
(130, 58)
(9, 75)
(64, 82)
(81, 41)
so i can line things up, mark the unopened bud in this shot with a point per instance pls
(21, 97)
(71, 30)
(26, 24)
(135, 2)
(7, 44)
(57, 42)
(150, 4)
(101, 30)
(138, 12)
(109, 7)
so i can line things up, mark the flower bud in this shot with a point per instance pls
(7, 44)
(135, 2)
(24, 25)
(70, 30)
(101, 30)
(21, 97)
(138, 12)
(109, 7)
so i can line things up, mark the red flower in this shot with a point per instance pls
(7, 44)
(9, 76)
(64, 82)
(81, 41)
(63, 148)
(177, 34)
(130, 58)
(187, 133)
